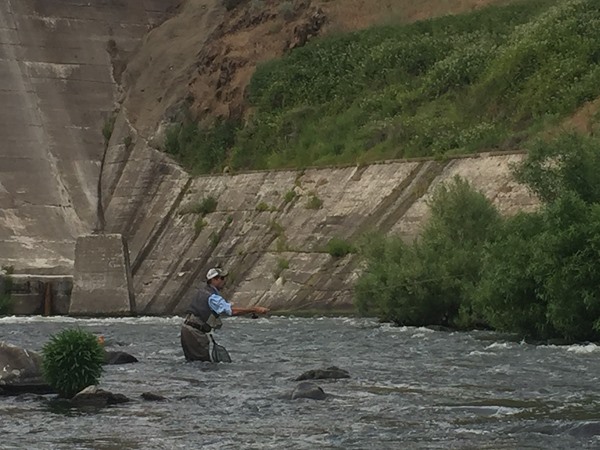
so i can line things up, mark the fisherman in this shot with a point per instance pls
(203, 316)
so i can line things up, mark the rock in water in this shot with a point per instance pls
(151, 397)
(21, 371)
(96, 397)
(329, 373)
(308, 390)
(117, 357)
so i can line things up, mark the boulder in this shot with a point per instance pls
(21, 371)
(152, 397)
(309, 390)
(330, 373)
(96, 397)
(118, 357)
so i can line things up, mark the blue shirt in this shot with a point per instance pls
(219, 305)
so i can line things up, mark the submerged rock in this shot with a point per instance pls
(21, 371)
(329, 373)
(152, 397)
(118, 357)
(96, 397)
(309, 390)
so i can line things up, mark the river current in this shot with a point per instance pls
(410, 388)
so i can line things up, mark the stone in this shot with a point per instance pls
(151, 397)
(323, 374)
(21, 371)
(102, 283)
(308, 390)
(118, 357)
(96, 397)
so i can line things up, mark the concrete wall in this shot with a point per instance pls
(58, 62)
(170, 258)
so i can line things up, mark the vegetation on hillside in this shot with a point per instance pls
(490, 79)
(535, 274)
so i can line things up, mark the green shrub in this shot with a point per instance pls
(6, 304)
(314, 202)
(199, 225)
(290, 196)
(108, 127)
(287, 10)
(72, 360)
(570, 163)
(201, 149)
(282, 264)
(262, 206)
(338, 248)
(205, 206)
(127, 142)
(431, 282)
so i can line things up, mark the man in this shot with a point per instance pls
(203, 316)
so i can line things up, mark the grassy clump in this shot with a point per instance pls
(535, 273)
(200, 149)
(6, 301)
(72, 361)
(204, 207)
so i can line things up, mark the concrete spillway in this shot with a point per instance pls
(57, 89)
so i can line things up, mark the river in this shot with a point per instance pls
(410, 388)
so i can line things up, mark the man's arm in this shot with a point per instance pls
(254, 310)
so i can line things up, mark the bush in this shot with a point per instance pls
(199, 225)
(431, 282)
(570, 163)
(72, 360)
(338, 248)
(290, 196)
(314, 202)
(201, 149)
(204, 207)
(540, 279)
(6, 304)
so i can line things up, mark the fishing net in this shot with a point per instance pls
(219, 353)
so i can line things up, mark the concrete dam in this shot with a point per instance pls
(81, 120)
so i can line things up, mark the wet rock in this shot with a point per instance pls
(151, 397)
(118, 357)
(309, 390)
(96, 397)
(586, 430)
(329, 373)
(21, 371)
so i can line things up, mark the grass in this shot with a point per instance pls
(491, 79)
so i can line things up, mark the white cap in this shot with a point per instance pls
(216, 272)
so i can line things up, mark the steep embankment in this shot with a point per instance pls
(57, 88)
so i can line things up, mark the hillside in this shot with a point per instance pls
(485, 80)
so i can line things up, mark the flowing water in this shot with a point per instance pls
(410, 388)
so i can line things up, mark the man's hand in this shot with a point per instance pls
(261, 310)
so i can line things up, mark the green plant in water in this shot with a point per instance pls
(72, 361)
